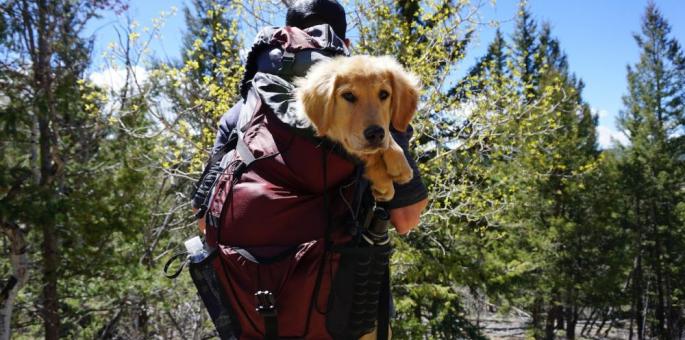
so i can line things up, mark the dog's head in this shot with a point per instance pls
(353, 100)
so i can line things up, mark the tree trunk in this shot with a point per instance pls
(637, 296)
(552, 316)
(49, 160)
(638, 291)
(571, 319)
(536, 315)
(50, 293)
(20, 274)
(604, 321)
(660, 310)
(589, 321)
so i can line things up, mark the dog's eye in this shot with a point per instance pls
(383, 95)
(349, 97)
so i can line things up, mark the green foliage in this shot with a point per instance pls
(525, 211)
(652, 178)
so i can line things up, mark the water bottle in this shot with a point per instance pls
(377, 230)
(196, 249)
(209, 288)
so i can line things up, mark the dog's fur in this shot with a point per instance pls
(383, 93)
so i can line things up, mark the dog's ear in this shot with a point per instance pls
(316, 93)
(405, 95)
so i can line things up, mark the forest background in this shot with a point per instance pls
(528, 214)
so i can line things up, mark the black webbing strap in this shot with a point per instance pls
(216, 157)
(219, 154)
(173, 259)
(384, 307)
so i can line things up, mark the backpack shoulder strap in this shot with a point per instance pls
(218, 160)
(210, 175)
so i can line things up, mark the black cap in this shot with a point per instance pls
(308, 13)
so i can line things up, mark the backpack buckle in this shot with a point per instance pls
(266, 307)
(266, 303)
(287, 62)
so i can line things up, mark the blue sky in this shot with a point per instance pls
(595, 34)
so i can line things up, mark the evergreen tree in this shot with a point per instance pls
(653, 177)
(539, 155)
(525, 48)
(492, 65)
(73, 187)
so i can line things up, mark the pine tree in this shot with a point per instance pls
(540, 151)
(492, 65)
(43, 38)
(525, 48)
(652, 118)
(75, 180)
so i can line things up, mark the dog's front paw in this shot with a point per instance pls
(404, 175)
(383, 192)
(397, 166)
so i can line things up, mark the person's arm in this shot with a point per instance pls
(411, 198)
(201, 224)
(407, 218)
(226, 125)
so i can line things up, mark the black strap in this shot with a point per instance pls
(214, 158)
(180, 268)
(384, 307)
(271, 327)
(219, 154)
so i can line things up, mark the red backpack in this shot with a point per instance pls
(297, 249)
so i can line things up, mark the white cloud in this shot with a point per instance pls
(608, 137)
(114, 78)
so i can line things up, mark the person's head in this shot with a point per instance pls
(307, 13)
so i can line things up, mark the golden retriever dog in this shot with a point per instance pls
(353, 101)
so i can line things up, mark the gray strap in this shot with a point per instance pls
(245, 154)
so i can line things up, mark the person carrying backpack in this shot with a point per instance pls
(296, 246)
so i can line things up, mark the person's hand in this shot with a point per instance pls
(407, 218)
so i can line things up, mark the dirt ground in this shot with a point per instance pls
(513, 327)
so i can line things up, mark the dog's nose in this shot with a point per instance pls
(374, 134)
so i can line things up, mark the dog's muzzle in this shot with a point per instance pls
(374, 135)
